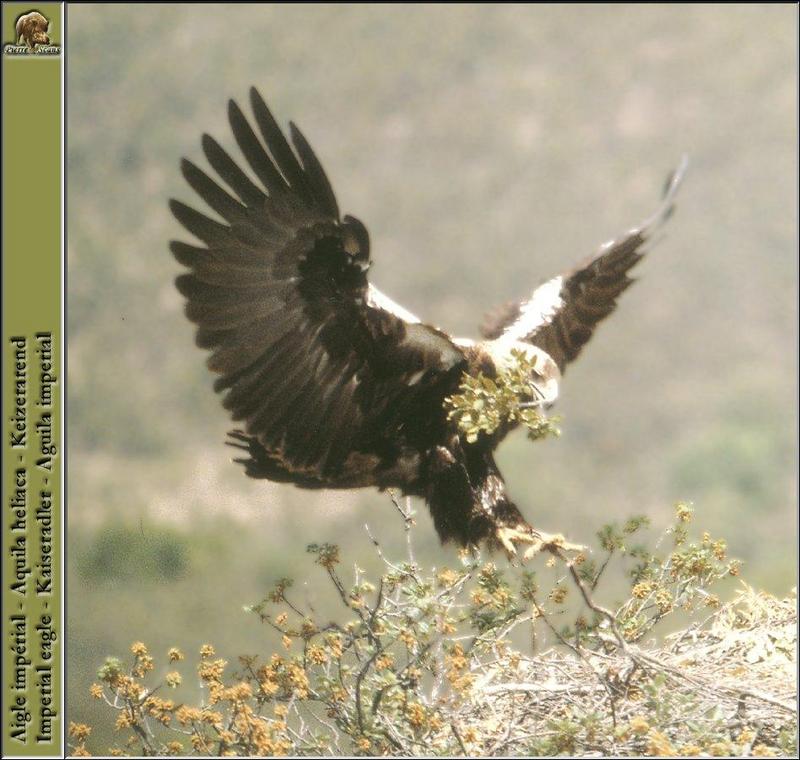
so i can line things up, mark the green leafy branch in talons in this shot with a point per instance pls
(485, 403)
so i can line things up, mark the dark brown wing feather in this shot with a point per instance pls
(561, 315)
(588, 294)
(321, 381)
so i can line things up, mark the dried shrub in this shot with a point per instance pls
(424, 663)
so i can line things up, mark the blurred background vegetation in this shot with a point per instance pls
(486, 148)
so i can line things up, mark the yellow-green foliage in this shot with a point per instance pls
(423, 662)
(484, 404)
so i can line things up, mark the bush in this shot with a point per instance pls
(424, 662)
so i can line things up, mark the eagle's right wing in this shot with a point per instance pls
(329, 376)
(562, 314)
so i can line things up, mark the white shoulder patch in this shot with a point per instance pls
(378, 300)
(538, 310)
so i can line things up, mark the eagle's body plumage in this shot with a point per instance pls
(332, 383)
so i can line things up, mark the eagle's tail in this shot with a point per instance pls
(451, 499)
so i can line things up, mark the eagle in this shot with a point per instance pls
(332, 383)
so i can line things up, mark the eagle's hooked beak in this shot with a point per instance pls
(539, 399)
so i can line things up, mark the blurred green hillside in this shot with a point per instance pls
(486, 148)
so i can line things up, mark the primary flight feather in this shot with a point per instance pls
(334, 385)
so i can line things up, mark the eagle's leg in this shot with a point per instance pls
(475, 510)
(509, 528)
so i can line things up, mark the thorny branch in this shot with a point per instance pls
(428, 665)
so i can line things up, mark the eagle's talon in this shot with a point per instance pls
(556, 542)
(508, 537)
(538, 541)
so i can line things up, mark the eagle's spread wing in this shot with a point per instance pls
(561, 315)
(319, 368)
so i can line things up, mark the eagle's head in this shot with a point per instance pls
(505, 355)
(509, 355)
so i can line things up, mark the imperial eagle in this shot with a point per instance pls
(332, 383)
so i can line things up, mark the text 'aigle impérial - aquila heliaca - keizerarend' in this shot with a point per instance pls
(332, 383)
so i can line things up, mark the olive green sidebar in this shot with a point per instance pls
(32, 688)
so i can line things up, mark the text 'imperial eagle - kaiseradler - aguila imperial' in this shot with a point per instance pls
(332, 384)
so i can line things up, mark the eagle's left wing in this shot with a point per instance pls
(562, 314)
(330, 379)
